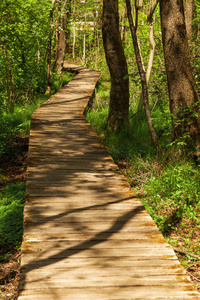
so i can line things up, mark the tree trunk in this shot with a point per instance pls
(57, 34)
(189, 6)
(62, 35)
(49, 63)
(74, 31)
(61, 47)
(142, 72)
(119, 93)
(182, 94)
(10, 82)
(84, 36)
(151, 11)
(150, 62)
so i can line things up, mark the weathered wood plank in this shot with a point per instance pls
(86, 235)
(83, 280)
(110, 293)
(153, 265)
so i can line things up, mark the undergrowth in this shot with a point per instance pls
(11, 216)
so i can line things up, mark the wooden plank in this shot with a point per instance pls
(84, 236)
(106, 271)
(85, 280)
(110, 293)
(152, 265)
(82, 244)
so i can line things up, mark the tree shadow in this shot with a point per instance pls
(74, 192)
(172, 221)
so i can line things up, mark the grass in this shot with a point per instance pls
(173, 195)
(11, 216)
(16, 124)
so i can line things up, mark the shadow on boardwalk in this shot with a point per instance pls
(85, 233)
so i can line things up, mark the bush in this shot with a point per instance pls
(11, 214)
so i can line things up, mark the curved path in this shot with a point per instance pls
(86, 236)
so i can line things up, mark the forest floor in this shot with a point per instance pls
(13, 170)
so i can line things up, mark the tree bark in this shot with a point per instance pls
(119, 93)
(84, 36)
(142, 72)
(62, 35)
(10, 82)
(49, 50)
(151, 11)
(74, 31)
(189, 6)
(182, 94)
(150, 62)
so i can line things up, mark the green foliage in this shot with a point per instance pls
(125, 144)
(24, 30)
(178, 186)
(11, 214)
(60, 80)
(16, 124)
(173, 196)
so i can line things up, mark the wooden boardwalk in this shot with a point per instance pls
(86, 236)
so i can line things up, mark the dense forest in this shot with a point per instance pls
(145, 108)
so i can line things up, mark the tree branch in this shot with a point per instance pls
(180, 250)
(151, 11)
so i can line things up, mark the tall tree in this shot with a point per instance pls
(62, 33)
(182, 95)
(49, 49)
(133, 28)
(10, 84)
(119, 93)
(74, 30)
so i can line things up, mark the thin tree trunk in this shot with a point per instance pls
(182, 94)
(74, 31)
(57, 31)
(119, 93)
(10, 82)
(189, 6)
(61, 35)
(142, 72)
(84, 37)
(150, 62)
(38, 54)
(49, 50)
(151, 11)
